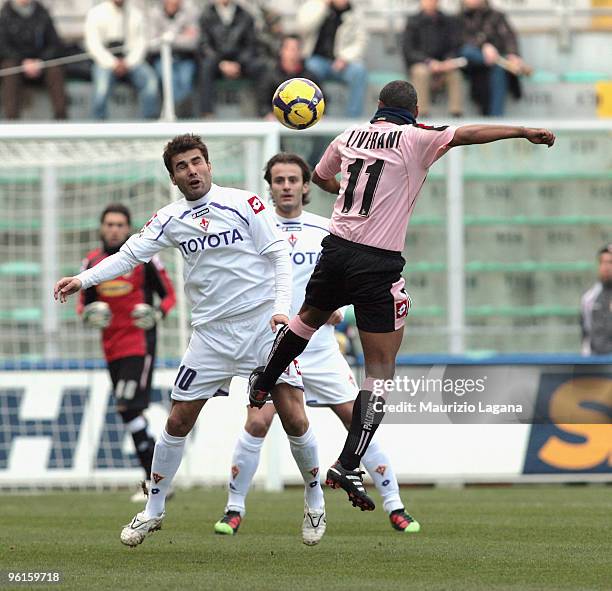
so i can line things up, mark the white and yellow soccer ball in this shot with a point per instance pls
(298, 103)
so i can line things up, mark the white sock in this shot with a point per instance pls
(244, 466)
(306, 456)
(376, 462)
(166, 461)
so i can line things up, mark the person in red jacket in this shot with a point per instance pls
(125, 311)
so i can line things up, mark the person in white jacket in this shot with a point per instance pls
(178, 20)
(335, 37)
(115, 37)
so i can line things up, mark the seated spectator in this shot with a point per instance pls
(116, 38)
(27, 38)
(491, 48)
(335, 39)
(228, 49)
(431, 45)
(179, 20)
(596, 309)
(289, 65)
(268, 27)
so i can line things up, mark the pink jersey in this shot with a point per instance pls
(384, 166)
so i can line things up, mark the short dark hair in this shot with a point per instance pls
(183, 143)
(399, 94)
(289, 158)
(607, 249)
(288, 36)
(117, 208)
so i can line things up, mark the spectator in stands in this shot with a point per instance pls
(290, 64)
(178, 19)
(268, 27)
(596, 309)
(116, 38)
(335, 36)
(431, 46)
(228, 49)
(125, 312)
(27, 39)
(491, 48)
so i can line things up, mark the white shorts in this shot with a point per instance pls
(327, 377)
(220, 350)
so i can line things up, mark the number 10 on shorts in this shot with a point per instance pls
(184, 378)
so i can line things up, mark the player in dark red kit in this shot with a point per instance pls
(124, 309)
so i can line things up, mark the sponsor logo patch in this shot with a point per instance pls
(401, 309)
(114, 288)
(256, 204)
(200, 213)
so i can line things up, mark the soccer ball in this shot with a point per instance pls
(298, 103)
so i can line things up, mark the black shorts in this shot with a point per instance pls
(131, 377)
(369, 278)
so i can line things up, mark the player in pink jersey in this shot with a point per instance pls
(383, 165)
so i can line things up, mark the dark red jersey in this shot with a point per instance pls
(121, 338)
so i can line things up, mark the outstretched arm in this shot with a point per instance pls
(483, 134)
(113, 266)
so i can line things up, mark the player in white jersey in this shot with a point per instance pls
(327, 378)
(383, 164)
(238, 280)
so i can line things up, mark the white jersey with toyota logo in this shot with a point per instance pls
(222, 237)
(303, 235)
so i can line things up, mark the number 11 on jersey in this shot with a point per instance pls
(373, 171)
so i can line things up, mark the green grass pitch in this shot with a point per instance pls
(518, 538)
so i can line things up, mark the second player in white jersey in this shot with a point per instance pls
(327, 377)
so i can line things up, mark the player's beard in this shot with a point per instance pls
(112, 249)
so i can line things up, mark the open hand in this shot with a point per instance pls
(66, 286)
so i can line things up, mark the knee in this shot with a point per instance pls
(178, 425)
(381, 368)
(296, 424)
(257, 427)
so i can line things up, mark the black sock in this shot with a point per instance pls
(287, 346)
(145, 444)
(364, 423)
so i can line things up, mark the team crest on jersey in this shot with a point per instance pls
(381, 469)
(256, 204)
(204, 223)
(292, 239)
(157, 478)
(401, 309)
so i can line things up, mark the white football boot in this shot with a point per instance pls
(139, 528)
(314, 525)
